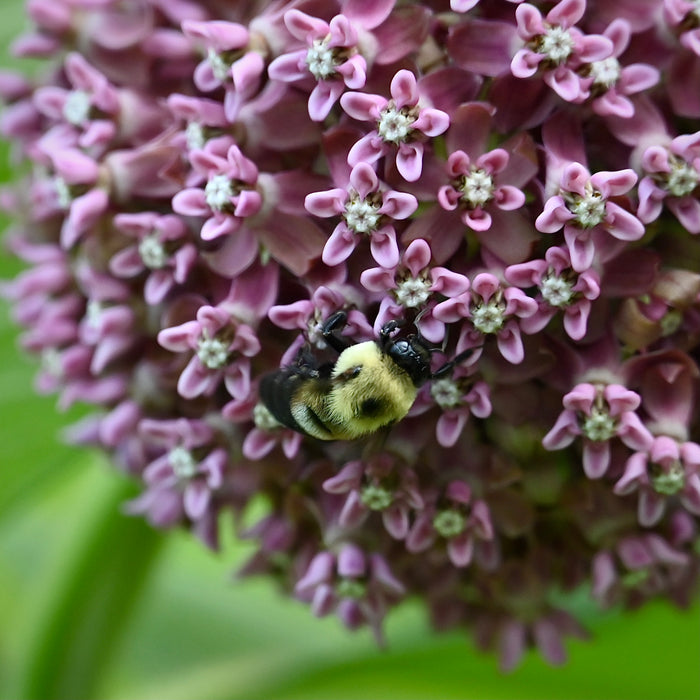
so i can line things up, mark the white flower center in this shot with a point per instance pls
(589, 210)
(413, 291)
(668, 481)
(446, 393)
(488, 317)
(219, 67)
(218, 192)
(395, 124)
(671, 321)
(361, 215)
(599, 426)
(152, 252)
(263, 419)
(477, 188)
(557, 44)
(321, 60)
(350, 588)
(557, 291)
(194, 134)
(449, 523)
(77, 107)
(605, 73)
(682, 179)
(182, 463)
(212, 352)
(62, 190)
(376, 497)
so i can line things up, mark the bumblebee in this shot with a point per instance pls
(371, 385)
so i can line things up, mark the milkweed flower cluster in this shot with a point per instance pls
(206, 183)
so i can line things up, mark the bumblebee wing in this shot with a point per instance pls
(277, 392)
(295, 396)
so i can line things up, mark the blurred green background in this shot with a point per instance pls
(97, 605)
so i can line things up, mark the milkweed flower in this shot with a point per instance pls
(510, 190)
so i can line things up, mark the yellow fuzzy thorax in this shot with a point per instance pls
(379, 379)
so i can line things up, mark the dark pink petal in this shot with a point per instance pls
(650, 200)
(363, 106)
(566, 83)
(525, 62)
(246, 73)
(289, 67)
(432, 122)
(448, 283)
(510, 343)
(364, 180)
(191, 202)
(346, 479)
(548, 638)
(369, 149)
(402, 33)
(576, 319)
(612, 103)
(563, 432)
(354, 511)
(460, 549)
(581, 248)
(554, 216)
(368, 13)
(508, 198)
(421, 534)
(604, 574)
(354, 72)
(596, 458)
(220, 35)
(396, 522)
(196, 499)
(339, 246)
(323, 600)
(351, 562)
(481, 46)
(650, 507)
(305, 27)
(529, 21)
(687, 210)
(384, 248)
(320, 570)
(398, 205)
(449, 427)
(409, 160)
(404, 89)
(217, 226)
(325, 204)
(323, 97)
(249, 203)
(691, 494)
(85, 212)
(637, 77)
(635, 472)
(378, 279)
(293, 241)
(196, 380)
(634, 433)
(594, 47)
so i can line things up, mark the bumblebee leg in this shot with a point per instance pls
(335, 322)
(388, 328)
(449, 366)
